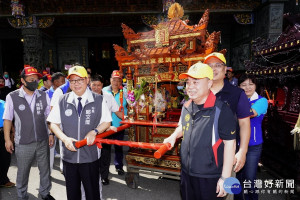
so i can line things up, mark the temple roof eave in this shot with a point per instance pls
(162, 59)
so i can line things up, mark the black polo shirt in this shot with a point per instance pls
(236, 98)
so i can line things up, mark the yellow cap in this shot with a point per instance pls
(217, 55)
(78, 71)
(198, 70)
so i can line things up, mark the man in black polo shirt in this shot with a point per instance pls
(238, 102)
(207, 126)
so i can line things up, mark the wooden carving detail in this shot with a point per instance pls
(152, 161)
(212, 42)
(169, 43)
(204, 20)
(223, 51)
(128, 32)
(119, 51)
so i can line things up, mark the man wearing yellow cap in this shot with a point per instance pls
(238, 102)
(82, 114)
(207, 127)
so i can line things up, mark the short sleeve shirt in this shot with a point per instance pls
(227, 128)
(236, 99)
(56, 95)
(54, 116)
(9, 106)
(110, 102)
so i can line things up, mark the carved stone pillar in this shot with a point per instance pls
(269, 20)
(33, 47)
(275, 18)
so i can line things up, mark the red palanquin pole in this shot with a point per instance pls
(83, 142)
(160, 147)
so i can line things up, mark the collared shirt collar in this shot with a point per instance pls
(254, 96)
(109, 88)
(210, 101)
(226, 87)
(22, 93)
(111, 91)
(87, 97)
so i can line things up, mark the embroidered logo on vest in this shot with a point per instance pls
(22, 107)
(187, 117)
(68, 112)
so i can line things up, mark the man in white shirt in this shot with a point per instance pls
(59, 87)
(113, 107)
(96, 84)
(82, 114)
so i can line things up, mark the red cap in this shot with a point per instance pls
(48, 76)
(116, 74)
(229, 69)
(28, 70)
(45, 72)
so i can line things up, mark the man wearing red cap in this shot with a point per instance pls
(230, 75)
(46, 82)
(29, 108)
(115, 88)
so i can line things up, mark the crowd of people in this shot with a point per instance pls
(33, 117)
(218, 120)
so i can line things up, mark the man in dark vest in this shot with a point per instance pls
(81, 114)
(29, 108)
(207, 126)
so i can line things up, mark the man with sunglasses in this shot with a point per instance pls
(29, 108)
(82, 114)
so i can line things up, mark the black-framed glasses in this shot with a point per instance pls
(79, 81)
(216, 65)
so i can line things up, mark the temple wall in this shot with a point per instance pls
(68, 45)
(72, 50)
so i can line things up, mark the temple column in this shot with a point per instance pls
(269, 19)
(33, 47)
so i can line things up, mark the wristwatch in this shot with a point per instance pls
(96, 130)
(51, 134)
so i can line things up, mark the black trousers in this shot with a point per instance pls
(118, 150)
(5, 158)
(195, 188)
(105, 160)
(88, 174)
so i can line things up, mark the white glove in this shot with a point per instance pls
(171, 139)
